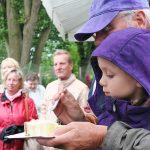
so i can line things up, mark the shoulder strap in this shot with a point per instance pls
(26, 107)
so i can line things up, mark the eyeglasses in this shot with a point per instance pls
(105, 31)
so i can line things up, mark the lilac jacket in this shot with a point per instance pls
(129, 49)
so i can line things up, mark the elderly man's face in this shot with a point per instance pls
(32, 85)
(62, 67)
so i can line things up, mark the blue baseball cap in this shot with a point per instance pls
(102, 12)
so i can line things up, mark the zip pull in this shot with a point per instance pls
(114, 106)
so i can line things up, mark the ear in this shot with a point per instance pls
(71, 65)
(141, 19)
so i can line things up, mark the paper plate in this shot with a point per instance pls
(23, 136)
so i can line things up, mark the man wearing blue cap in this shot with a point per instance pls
(104, 13)
(107, 16)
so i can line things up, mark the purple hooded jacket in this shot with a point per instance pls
(129, 49)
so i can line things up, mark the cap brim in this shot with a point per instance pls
(94, 25)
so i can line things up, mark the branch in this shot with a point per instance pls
(42, 41)
(27, 9)
(28, 31)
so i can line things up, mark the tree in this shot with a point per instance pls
(85, 50)
(28, 35)
(20, 20)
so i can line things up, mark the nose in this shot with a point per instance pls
(32, 86)
(10, 81)
(102, 81)
(99, 38)
(98, 41)
(57, 66)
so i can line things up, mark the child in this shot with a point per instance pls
(122, 67)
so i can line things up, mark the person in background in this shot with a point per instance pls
(15, 108)
(34, 89)
(117, 65)
(6, 65)
(63, 67)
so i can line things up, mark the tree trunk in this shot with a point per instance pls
(14, 32)
(28, 30)
(85, 55)
(40, 47)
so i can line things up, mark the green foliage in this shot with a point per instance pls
(2, 50)
(80, 51)
(3, 31)
(85, 50)
(73, 49)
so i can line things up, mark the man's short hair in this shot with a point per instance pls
(32, 77)
(61, 52)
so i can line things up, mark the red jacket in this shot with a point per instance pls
(13, 112)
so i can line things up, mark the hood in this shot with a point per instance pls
(129, 49)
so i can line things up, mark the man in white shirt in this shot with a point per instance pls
(35, 90)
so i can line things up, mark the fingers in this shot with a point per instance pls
(62, 136)
(63, 139)
(63, 129)
(67, 98)
(56, 96)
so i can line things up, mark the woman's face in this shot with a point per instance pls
(13, 83)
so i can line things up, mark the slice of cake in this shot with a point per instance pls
(39, 127)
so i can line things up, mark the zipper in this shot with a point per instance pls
(114, 106)
(11, 106)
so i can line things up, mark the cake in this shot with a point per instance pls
(39, 127)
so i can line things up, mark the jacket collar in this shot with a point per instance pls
(4, 97)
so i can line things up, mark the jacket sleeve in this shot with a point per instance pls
(120, 136)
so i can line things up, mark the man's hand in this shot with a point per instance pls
(68, 109)
(77, 136)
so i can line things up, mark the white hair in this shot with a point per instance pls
(128, 15)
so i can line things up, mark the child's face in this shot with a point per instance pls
(116, 83)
